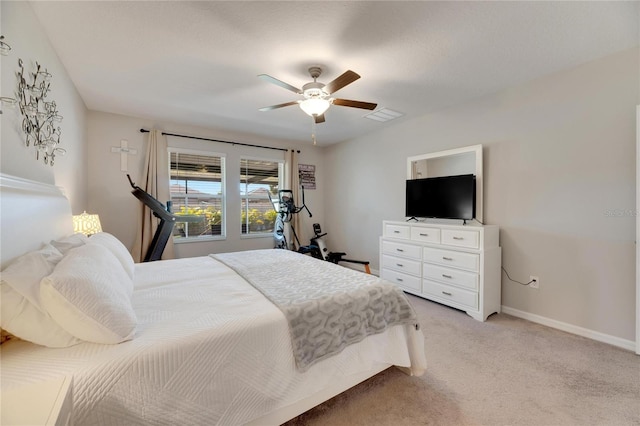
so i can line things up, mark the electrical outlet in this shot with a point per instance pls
(535, 282)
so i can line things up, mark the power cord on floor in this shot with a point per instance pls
(515, 281)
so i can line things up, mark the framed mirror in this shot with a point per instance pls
(458, 161)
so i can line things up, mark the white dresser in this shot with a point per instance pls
(457, 265)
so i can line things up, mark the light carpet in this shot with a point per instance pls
(505, 371)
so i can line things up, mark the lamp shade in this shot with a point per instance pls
(315, 107)
(87, 224)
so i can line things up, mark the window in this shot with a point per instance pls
(197, 192)
(260, 181)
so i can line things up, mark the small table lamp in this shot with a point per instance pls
(87, 224)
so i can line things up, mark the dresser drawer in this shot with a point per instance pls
(397, 231)
(453, 294)
(402, 280)
(451, 276)
(461, 238)
(456, 259)
(425, 235)
(407, 266)
(401, 249)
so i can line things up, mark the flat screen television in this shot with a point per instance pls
(447, 197)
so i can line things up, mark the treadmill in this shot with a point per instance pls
(167, 221)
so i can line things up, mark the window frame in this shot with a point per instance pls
(222, 196)
(281, 177)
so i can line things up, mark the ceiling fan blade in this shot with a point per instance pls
(280, 83)
(354, 104)
(347, 78)
(269, 108)
(319, 118)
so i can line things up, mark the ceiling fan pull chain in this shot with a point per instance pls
(313, 130)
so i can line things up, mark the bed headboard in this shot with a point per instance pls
(31, 213)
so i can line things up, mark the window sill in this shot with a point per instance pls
(186, 240)
(261, 235)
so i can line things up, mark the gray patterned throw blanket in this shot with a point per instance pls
(327, 306)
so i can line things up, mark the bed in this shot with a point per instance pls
(209, 345)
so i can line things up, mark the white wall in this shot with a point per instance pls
(23, 32)
(110, 193)
(559, 173)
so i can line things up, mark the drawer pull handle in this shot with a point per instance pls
(424, 235)
(400, 250)
(447, 276)
(458, 238)
(446, 293)
(399, 280)
(446, 258)
(400, 265)
(396, 232)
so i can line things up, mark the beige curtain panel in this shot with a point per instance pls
(154, 180)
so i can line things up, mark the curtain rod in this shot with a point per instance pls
(218, 140)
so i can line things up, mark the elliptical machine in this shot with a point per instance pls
(287, 208)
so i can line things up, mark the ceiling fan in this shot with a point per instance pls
(317, 96)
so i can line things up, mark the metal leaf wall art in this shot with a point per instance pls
(40, 117)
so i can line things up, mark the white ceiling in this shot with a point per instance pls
(197, 62)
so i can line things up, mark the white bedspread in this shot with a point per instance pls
(209, 349)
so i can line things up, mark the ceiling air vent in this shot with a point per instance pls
(384, 114)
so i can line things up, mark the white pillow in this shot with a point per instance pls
(21, 310)
(67, 243)
(117, 248)
(89, 295)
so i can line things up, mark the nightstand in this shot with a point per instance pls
(44, 403)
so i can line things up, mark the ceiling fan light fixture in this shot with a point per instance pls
(315, 107)
(317, 96)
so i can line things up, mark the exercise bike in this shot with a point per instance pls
(318, 249)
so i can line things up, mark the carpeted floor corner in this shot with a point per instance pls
(505, 371)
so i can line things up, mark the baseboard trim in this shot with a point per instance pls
(573, 329)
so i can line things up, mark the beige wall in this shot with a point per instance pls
(559, 170)
(24, 33)
(110, 193)
(559, 176)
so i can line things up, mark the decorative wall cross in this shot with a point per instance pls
(124, 151)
